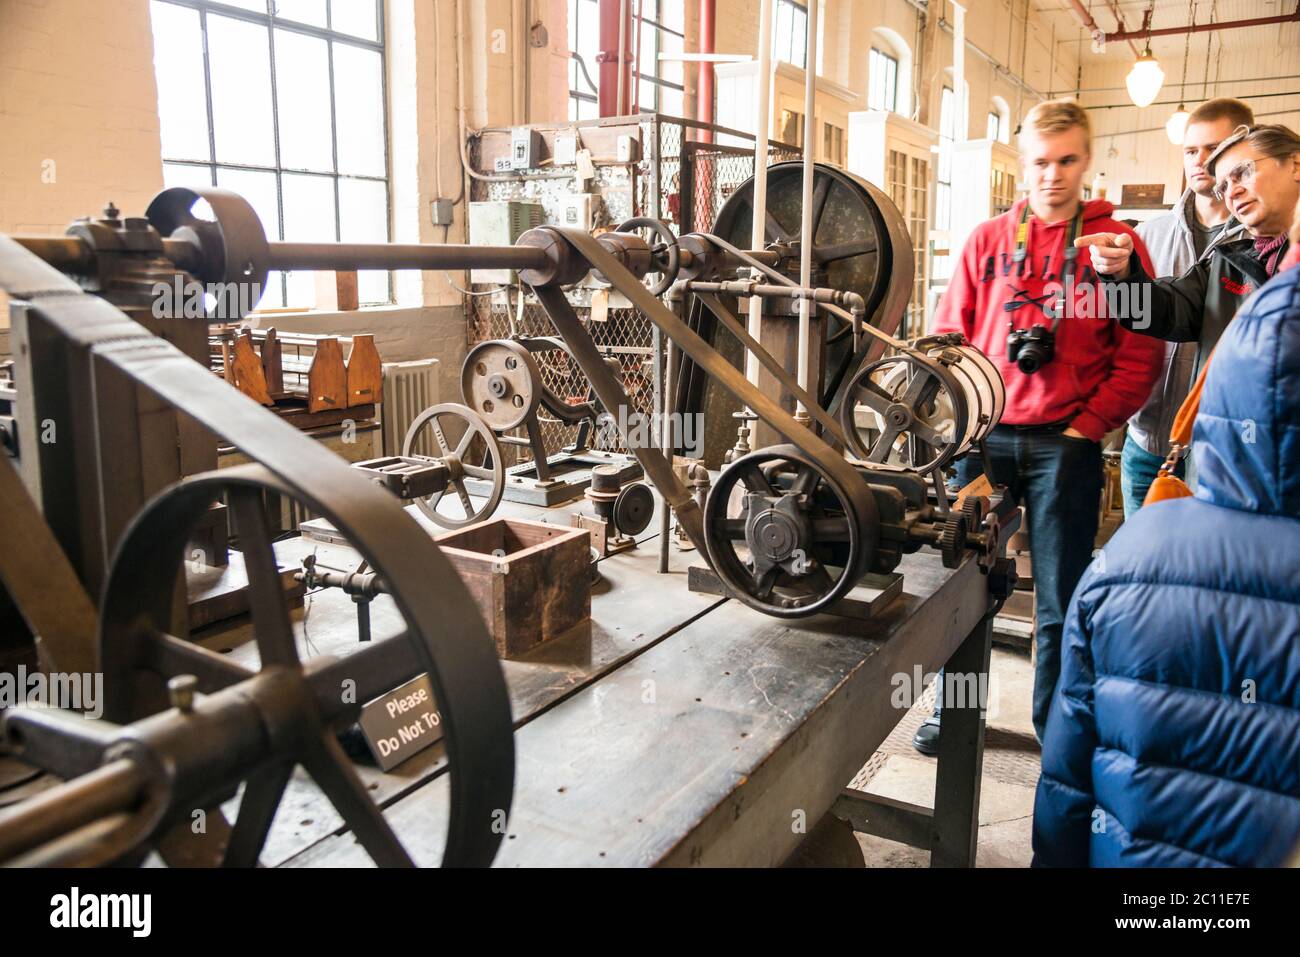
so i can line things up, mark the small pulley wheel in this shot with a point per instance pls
(666, 255)
(231, 248)
(501, 382)
(791, 541)
(633, 508)
(453, 429)
(905, 410)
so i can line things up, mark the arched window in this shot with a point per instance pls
(999, 127)
(889, 73)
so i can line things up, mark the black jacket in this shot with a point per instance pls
(1198, 305)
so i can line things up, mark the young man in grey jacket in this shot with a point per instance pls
(1177, 240)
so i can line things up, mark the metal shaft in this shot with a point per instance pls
(342, 257)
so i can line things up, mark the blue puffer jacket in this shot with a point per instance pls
(1174, 736)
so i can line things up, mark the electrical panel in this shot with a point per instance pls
(525, 148)
(500, 223)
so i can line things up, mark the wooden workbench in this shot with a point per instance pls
(685, 729)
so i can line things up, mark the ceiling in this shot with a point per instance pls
(1171, 13)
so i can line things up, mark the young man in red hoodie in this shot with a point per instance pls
(1024, 296)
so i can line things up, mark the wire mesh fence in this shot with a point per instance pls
(677, 179)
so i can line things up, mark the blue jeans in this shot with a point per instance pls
(1137, 470)
(1058, 480)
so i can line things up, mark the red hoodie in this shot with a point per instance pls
(1101, 373)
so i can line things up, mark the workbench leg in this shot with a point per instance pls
(955, 829)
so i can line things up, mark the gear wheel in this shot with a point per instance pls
(973, 509)
(952, 540)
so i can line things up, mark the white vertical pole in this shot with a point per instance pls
(961, 122)
(762, 130)
(806, 225)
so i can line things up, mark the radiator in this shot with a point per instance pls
(409, 389)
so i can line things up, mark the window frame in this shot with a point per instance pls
(579, 66)
(272, 23)
(799, 49)
(654, 78)
(889, 62)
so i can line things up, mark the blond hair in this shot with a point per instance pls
(1056, 116)
(1223, 108)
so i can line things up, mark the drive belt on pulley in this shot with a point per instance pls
(445, 631)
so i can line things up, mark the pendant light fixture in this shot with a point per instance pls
(1145, 79)
(1176, 125)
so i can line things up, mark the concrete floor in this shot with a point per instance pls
(1011, 765)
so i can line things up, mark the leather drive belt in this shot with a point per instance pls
(456, 649)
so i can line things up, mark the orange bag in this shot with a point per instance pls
(1168, 485)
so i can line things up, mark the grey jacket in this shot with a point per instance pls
(1168, 239)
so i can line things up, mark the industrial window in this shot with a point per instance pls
(790, 33)
(584, 45)
(943, 175)
(283, 102)
(661, 25)
(882, 81)
(995, 127)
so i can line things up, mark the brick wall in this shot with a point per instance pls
(78, 111)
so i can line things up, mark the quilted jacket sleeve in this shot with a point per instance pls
(1063, 808)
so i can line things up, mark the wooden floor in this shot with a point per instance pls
(682, 729)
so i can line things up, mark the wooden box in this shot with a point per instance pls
(529, 579)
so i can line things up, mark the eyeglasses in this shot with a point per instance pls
(1243, 174)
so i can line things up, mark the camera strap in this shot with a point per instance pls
(1022, 242)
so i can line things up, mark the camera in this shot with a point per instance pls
(1031, 349)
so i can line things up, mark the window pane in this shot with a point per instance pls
(363, 213)
(259, 189)
(672, 102)
(359, 99)
(181, 174)
(672, 14)
(302, 87)
(308, 217)
(257, 6)
(303, 11)
(178, 65)
(782, 29)
(670, 70)
(648, 62)
(355, 17)
(241, 91)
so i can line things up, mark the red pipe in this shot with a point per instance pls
(607, 58)
(1205, 27)
(704, 83)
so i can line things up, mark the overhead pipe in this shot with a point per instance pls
(704, 79)
(1208, 27)
(614, 72)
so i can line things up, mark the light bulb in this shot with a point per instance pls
(1176, 125)
(1144, 79)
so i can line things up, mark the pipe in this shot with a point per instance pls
(612, 58)
(624, 80)
(762, 129)
(1119, 19)
(345, 257)
(705, 76)
(1206, 27)
(806, 223)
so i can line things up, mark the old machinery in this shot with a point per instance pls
(502, 383)
(619, 512)
(190, 726)
(921, 408)
(466, 429)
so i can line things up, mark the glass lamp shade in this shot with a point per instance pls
(1145, 79)
(1176, 126)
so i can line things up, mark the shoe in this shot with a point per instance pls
(926, 739)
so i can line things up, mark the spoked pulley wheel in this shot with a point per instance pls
(784, 537)
(453, 429)
(918, 410)
(253, 726)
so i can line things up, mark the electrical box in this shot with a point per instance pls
(629, 148)
(525, 148)
(566, 149)
(500, 223)
(441, 211)
(579, 210)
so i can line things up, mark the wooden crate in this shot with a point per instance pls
(529, 579)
